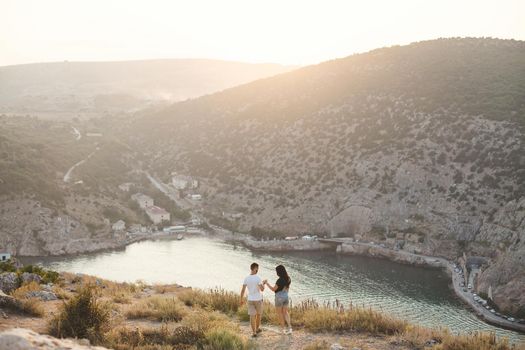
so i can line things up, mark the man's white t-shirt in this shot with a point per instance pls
(252, 282)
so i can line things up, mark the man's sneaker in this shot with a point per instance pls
(254, 335)
(259, 331)
(289, 331)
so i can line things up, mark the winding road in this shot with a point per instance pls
(67, 177)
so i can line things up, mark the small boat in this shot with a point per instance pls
(179, 236)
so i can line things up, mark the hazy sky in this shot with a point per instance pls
(283, 31)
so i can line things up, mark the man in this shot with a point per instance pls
(255, 299)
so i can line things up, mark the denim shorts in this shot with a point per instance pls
(281, 298)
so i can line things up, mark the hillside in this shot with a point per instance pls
(87, 88)
(421, 143)
(40, 213)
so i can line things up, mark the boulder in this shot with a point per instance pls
(8, 282)
(42, 295)
(25, 339)
(31, 277)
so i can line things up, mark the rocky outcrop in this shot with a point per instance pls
(31, 277)
(29, 229)
(25, 339)
(355, 218)
(8, 282)
(506, 272)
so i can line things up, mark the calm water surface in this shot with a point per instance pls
(416, 294)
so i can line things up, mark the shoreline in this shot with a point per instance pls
(343, 248)
(397, 256)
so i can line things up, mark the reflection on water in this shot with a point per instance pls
(416, 294)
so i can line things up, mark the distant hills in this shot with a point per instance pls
(424, 140)
(83, 88)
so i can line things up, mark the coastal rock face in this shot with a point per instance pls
(506, 273)
(29, 229)
(356, 219)
(25, 339)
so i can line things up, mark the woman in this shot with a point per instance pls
(281, 288)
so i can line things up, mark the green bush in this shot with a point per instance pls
(7, 266)
(48, 276)
(81, 317)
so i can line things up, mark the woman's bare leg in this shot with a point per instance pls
(286, 317)
(280, 315)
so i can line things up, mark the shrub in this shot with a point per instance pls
(7, 266)
(48, 276)
(222, 340)
(158, 308)
(216, 299)
(81, 317)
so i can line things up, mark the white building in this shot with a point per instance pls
(5, 256)
(195, 197)
(119, 226)
(125, 186)
(157, 214)
(143, 200)
(182, 182)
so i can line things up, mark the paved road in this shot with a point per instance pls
(67, 177)
(478, 308)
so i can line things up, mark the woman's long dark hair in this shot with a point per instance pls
(281, 272)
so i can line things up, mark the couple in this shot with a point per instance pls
(255, 286)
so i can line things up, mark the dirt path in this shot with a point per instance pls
(272, 339)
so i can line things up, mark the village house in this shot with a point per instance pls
(183, 182)
(232, 216)
(125, 187)
(5, 256)
(195, 197)
(143, 200)
(157, 214)
(119, 226)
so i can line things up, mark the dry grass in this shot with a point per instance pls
(216, 299)
(61, 293)
(158, 308)
(200, 329)
(318, 345)
(445, 340)
(166, 288)
(27, 305)
(334, 317)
